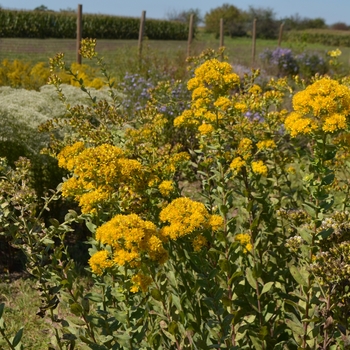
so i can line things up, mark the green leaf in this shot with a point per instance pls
(328, 179)
(75, 320)
(300, 275)
(305, 235)
(172, 279)
(297, 328)
(90, 226)
(266, 287)
(94, 297)
(155, 293)
(176, 301)
(169, 335)
(310, 208)
(76, 309)
(256, 342)
(251, 280)
(2, 307)
(224, 265)
(121, 316)
(17, 338)
(250, 318)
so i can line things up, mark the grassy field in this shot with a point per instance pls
(122, 55)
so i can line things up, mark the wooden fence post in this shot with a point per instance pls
(254, 42)
(190, 36)
(141, 32)
(222, 36)
(79, 31)
(280, 34)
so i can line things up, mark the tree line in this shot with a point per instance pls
(238, 23)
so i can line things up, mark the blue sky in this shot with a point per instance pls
(330, 10)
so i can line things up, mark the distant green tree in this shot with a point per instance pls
(42, 8)
(233, 18)
(68, 9)
(184, 16)
(266, 23)
(296, 22)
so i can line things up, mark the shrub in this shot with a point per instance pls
(233, 20)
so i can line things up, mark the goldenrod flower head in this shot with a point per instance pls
(99, 262)
(97, 173)
(199, 242)
(66, 158)
(184, 216)
(130, 237)
(334, 53)
(166, 187)
(237, 164)
(245, 147)
(205, 129)
(255, 90)
(187, 118)
(203, 93)
(291, 170)
(245, 240)
(297, 124)
(140, 281)
(323, 98)
(334, 123)
(213, 74)
(266, 144)
(223, 103)
(241, 107)
(259, 168)
(216, 222)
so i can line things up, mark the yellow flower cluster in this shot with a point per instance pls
(166, 187)
(334, 53)
(97, 173)
(205, 129)
(198, 243)
(237, 164)
(140, 281)
(245, 147)
(185, 217)
(245, 241)
(23, 74)
(324, 105)
(100, 261)
(213, 74)
(211, 85)
(259, 168)
(84, 72)
(129, 237)
(266, 144)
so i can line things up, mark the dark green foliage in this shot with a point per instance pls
(47, 24)
(233, 20)
(319, 36)
(297, 22)
(266, 22)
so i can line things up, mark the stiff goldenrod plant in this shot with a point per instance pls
(254, 256)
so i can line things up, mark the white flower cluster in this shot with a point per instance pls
(22, 111)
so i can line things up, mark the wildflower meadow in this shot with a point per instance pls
(215, 208)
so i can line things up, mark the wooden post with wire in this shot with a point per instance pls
(79, 31)
(141, 33)
(254, 42)
(190, 36)
(222, 36)
(280, 35)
